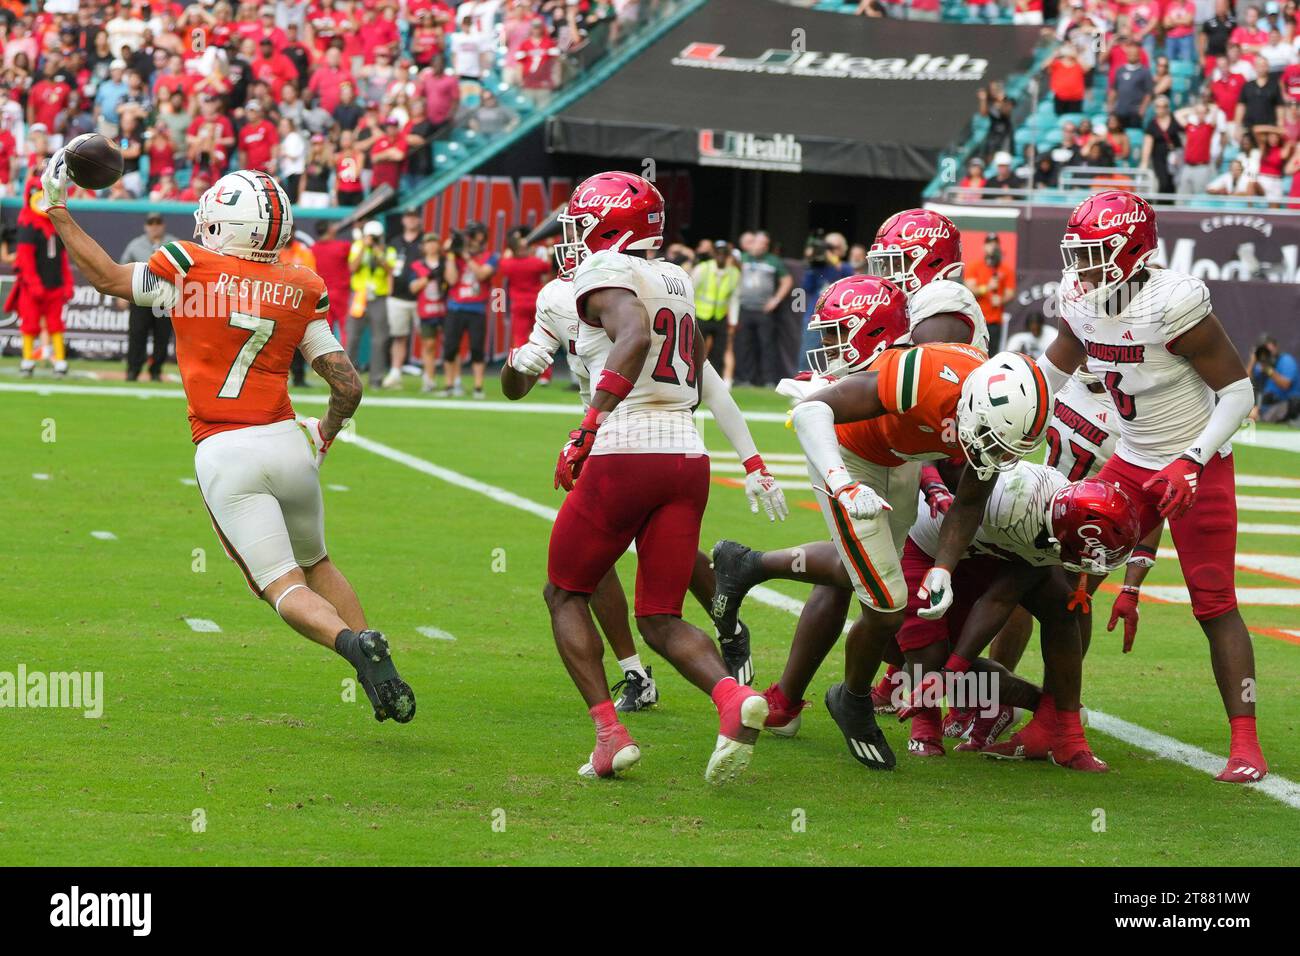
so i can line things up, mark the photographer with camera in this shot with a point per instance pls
(373, 262)
(822, 266)
(1276, 378)
(467, 302)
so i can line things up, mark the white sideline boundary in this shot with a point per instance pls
(1166, 748)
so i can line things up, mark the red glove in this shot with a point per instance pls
(1125, 607)
(576, 451)
(1179, 478)
(937, 495)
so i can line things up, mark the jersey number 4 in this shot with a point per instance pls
(679, 339)
(262, 330)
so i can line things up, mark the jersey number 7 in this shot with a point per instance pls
(262, 330)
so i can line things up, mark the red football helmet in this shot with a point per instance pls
(858, 317)
(914, 247)
(619, 211)
(1109, 238)
(1095, 525)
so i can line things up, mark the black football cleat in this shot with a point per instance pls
(638, 693)
(390, 696)
(857, 721)
(736, 569)
(736, 654)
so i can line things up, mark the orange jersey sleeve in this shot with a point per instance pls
(237, 324)
(919, 387)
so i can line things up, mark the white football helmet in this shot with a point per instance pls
(245, 214)
(1003, 412)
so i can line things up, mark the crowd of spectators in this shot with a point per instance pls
(334, 97)
(1207, 101)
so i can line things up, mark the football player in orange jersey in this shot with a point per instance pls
(865, 438)
(239, 314)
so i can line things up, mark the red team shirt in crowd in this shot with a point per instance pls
(537, 57)
(1226, 92)
(48, 98)
(347, 172)
(258, 141)
(387, 170)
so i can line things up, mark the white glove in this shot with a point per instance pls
(860, 501)
(530, 359)
(761, 487)
(315, 440)
(54, 183)
(936, 591)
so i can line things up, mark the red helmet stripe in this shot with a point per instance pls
(277, 210)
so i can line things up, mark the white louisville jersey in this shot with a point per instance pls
(657, 416)
(1015, 518)
(943, 296)
(1083, 431)
(1161, 402)
(555, 326)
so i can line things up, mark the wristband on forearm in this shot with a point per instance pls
(1143, 556)
(754, 463)
(617, 385)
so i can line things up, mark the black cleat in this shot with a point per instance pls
(639, 693)
(391, 696)
(736, 654)
(857, 721)
(736, 569)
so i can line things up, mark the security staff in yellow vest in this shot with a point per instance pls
(717, 305)
(373, 262)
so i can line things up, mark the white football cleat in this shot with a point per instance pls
(730, 755)
(624, 759)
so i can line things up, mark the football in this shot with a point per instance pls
(93, 161)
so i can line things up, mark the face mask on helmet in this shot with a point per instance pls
(838, 355)
(890, 264)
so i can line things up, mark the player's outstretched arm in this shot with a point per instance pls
(1063, 356)
(345, 391)
(1207, 347)
(106, 275)
(1136, 570)
(760, 486)
(960, 525)
(525, 364)
(814, 422)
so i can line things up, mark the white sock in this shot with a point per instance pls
(633, 663)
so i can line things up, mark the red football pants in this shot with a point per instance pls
(1206, 537)
(655, 500)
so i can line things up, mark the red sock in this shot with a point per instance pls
(927, 724)
(1244, 739)
(606, 718)
(1070, 738)
(722, 692)
(777, 697)
(1042, 728)
(956, 664)
(885, 685)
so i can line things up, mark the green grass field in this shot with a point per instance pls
(247, 731)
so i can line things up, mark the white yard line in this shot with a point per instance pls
(203, 625)
(437, 633)
(1245, 527)
(1279, 788)
(103, 535)
(1167, 748)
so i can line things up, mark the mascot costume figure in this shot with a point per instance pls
(43, 282)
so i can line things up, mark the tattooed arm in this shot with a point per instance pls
(345, 390)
